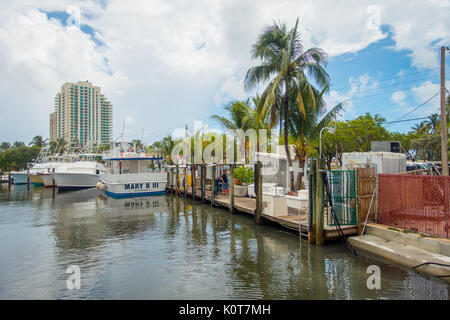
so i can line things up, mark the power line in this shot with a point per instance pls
(393, 78)
(420, 105)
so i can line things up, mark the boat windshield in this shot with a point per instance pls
(134, 166)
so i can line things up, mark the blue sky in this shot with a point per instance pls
(164, 64)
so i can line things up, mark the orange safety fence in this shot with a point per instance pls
(415, 202)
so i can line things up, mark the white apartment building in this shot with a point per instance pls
(82, 113)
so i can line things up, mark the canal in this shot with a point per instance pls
(166, 247)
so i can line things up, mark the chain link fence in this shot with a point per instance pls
(415, 202)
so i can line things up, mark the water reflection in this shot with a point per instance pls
(172, 248)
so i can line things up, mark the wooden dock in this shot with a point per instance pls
(294, 222)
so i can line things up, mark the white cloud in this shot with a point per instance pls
(424, 92)
(399, 98)
(357, 87)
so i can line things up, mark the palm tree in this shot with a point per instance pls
(420, 128)
(167, 145)
(304, 128)
(18, 144)
(285, 65)
(245, 115)
(38, 141)
(240, 116)
(433, 123)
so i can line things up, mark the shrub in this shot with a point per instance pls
(244, 175)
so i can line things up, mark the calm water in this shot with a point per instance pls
(166, 248)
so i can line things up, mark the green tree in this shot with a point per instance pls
(5, 146)
(18, 144)
(354, 136)
(285, 66)
(38, 141)
(428, 147)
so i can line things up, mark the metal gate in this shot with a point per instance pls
(343, 186)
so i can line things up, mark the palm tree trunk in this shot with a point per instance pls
(286, 143)
(301, 166)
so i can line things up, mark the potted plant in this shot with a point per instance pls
(243, 176)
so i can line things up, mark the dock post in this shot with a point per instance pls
(213, 184)
(319, 202)
(311, 218)
(177, 179)
(202, 181)
(28, 179)
(231, 188)
(258, 187)
(9, 180)
(193, 169)
(185, 181)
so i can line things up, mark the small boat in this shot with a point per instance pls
(4, 178)
(130, 173)
(82, 173)
(19, 177)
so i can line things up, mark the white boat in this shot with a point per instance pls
(19, 177)
(82, 173)
(132, 174)
(48, 168)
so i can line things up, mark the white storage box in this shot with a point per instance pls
(274, 205)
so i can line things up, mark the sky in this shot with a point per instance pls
(167, 63)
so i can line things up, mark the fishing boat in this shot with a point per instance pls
(131, 173)
(38, 166)
(81, 173)
(48, 168)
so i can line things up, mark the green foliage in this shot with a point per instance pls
(17, 158)
(428, 147)
(38, 141)
(353, 136)
(244, 175)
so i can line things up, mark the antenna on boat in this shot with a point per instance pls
(122, 135)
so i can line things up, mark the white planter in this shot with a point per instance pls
(274, 205)
(297, 204)
(266, 187)
(240, 191)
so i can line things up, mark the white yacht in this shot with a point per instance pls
(130, 173)
(48, 168)
(82, 173)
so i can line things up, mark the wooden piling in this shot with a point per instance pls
(177, 179)
(231, 188)
(193, 188)
(171, 180)
(9, 180)
(319, 196)
(213, 184)
(185, 181)
(311, 213)
(258, 189)
(28, 179)
(203, 181)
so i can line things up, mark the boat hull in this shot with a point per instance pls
(135, 186)
(20, 178)
(36, 180)
(47, 179)
(75, 181)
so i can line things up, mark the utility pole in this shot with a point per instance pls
(444, 133)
